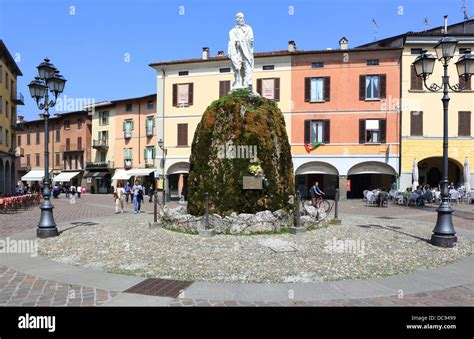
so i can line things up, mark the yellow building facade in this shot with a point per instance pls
(422, 118)
(9, 99)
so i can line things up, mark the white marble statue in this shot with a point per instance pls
(240, 52)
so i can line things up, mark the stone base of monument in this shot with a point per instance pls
(335, 221)
(296, 230)
(264, 222)
(209, 233)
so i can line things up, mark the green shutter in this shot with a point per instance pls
(107, 135)
(98, 134)
(153, 121)
(132, 124)
(153, 152)
(123, 125)
(144, 153)
(107, 117)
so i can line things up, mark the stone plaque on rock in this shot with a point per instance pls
(252, 183)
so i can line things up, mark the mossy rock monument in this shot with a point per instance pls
(241, 135)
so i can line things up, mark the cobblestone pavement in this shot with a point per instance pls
(19, 289)
(455, 296)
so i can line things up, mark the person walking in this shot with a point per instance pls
(137, 196)
(127, 191)
(119, 197)
(73, 190)
(79, 191)
(151, 191)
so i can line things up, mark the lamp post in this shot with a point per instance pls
(161, 144)
(444, 234)
(48, 80)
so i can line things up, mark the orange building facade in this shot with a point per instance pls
(345, 119)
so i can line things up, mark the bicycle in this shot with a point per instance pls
(323, 203)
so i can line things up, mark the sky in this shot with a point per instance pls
(103, 47)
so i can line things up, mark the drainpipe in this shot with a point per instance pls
(139, 133)
(399, 118)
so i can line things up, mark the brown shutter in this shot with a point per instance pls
(362, 88)
(259, 86)
(224, 88)
(326, 131)
(464, 124)
(466, 86)
(416, 123)
(307, 131)
(175, 95)
(362, 131)
(327, 88)
(307, 89)
(276, 88)
(383, 130)
(383, 86)
(191, 94)
(182, 134)
(416, 83)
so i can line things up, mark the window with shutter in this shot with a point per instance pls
(259, 86)
(175, 95)
(464, 124)
(326, 133)
(191, 94)
(416, 84)
(276, 89)
(416, 123)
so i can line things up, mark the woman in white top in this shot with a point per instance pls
(119, 196)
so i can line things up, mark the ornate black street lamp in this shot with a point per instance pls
(444, 234)
(48, 80)
(161, 144)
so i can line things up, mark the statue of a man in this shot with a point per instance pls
(240, 52)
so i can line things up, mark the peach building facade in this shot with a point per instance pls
(135, 140)
(346, 112)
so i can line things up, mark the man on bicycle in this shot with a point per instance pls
(316, 194)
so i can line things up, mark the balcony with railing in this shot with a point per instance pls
(72, 148)
(101, 144)
(99, 165)
(17, 98)
(128, 163)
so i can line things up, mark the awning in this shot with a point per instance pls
(372, 168)
(65, 176)
(121, 175)
(317, 168)
(94, 175)
(34, 175)
(141, 172)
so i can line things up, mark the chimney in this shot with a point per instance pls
(220, 53)
(205, 53)
(343, 43)
(291, 46)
